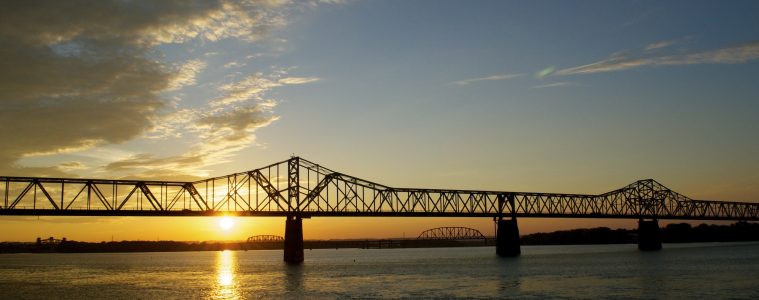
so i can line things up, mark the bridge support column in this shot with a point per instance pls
(649, 235)
(507, 238)
(294, 239)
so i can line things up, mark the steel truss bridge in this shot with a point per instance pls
(299, 188)
(451, 233)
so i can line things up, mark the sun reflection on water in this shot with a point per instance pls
(226, 286)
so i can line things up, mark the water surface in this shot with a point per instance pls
(680, 271)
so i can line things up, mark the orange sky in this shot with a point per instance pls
(97, 229)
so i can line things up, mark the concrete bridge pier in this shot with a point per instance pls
(507, 238)
(294, 240)
(649, 235)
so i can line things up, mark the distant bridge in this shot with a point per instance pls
(451, 233)
(297, 188)
(265, 238)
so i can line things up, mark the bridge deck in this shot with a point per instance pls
(306, 214)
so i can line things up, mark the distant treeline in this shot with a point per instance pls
(672, 233)
(147, 246)
(123, 246)
(600, 235)
(173, 246)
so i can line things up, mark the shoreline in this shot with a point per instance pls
(671, 234)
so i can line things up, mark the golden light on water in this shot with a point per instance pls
(226, 268)
(226, 279)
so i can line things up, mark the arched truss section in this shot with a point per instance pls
(451, 233)
(265, 238)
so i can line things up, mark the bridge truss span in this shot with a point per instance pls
(74, 194)
(451, 233)
(265, 238)
(298, 187)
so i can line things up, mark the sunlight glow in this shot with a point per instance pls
(226, 223)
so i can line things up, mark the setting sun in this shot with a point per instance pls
(226, 223)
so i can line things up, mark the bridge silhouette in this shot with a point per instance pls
(297, 188)
(265, 238)
(451, 233)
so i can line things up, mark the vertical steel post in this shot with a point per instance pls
(89, 194)
(293, 184)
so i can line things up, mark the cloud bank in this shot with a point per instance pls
(79, 74)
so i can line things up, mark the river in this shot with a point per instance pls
(679, 271)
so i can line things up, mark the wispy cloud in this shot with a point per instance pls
(298, 80)
(233, 64)
(222, 127)
(554, 85)
(659, 45)
(334, 1)
(545, 72)
(186, 74)
(728, 55)
(328, 2)
(253, 87)
(489, 78)
(222, 134)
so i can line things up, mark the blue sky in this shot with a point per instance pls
(388, 91)
(550, 96)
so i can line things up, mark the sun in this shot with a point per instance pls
(226, 223)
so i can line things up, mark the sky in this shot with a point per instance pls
(541, 96)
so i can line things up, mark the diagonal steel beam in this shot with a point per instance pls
(47, 195)
(273, 193)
